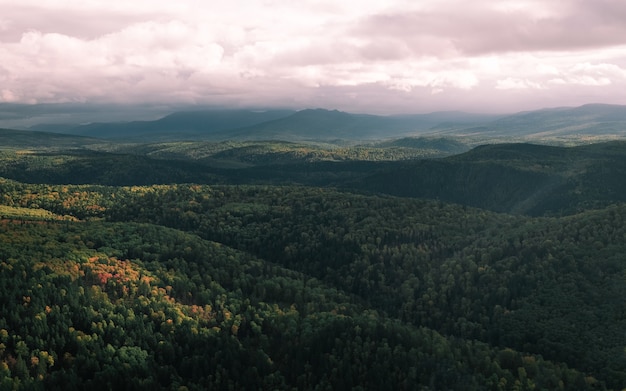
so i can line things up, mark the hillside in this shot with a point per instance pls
(292, 287)
(448, 145)
(513, 178)
(201, 162)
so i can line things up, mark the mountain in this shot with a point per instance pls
(588, 119)
(308, 124)
(178, 125)
(321, 124)
(594, 120)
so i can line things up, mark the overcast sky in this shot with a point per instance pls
(397, 56)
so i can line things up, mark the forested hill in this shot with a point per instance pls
(285, 287)
(513, 178)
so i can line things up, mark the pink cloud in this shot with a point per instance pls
(400, 55)
(479, 28)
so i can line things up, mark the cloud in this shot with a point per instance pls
(257, 52)
(595, 74)
(506, 26)
(511, 83)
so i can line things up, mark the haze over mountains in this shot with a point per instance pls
(592, 120)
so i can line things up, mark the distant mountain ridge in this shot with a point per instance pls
(328, 124)
(308, 124)
(590, 119)
(594, 120)
(191, 124)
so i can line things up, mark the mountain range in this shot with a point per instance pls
(564, 123)
(308, 124)
(590, 119)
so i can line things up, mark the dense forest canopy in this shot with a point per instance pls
(290, 266)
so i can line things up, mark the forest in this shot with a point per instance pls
(270, 265)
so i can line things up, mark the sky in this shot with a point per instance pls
(382, 57)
